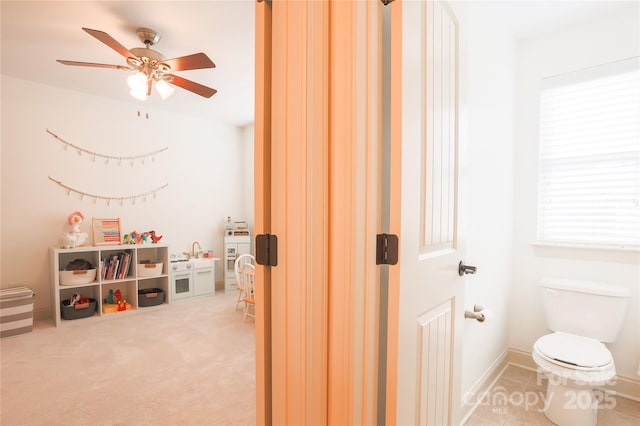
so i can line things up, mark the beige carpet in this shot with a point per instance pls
(188, 363)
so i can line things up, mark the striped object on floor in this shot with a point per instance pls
(16, 311)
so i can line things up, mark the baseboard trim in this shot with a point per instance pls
(473, 397)
(41, 314)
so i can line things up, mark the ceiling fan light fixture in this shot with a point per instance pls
(137, 82)
(150, 66)
(164, 89)
(140, 94)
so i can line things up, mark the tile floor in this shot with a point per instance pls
(517, 398)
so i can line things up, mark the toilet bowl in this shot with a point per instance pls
(574, 359)
(574, 366)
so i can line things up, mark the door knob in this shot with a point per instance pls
(466, 269)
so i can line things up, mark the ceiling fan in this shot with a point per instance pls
(152, 69)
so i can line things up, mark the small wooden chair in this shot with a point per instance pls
(241, 260)
(247, 279)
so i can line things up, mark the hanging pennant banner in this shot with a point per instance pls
(108, 199)
(119, 159)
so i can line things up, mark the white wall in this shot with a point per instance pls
(606, 39)
(203, 167)
(247, 176)
(489, 186)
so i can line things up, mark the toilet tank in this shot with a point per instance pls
(585, 308)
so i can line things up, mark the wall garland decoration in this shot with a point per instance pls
(109, 199)
(131, 158)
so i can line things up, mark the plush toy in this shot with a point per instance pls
(72, 236)
(75, 298)
(146, 238)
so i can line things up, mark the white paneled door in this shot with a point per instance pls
(426, 292)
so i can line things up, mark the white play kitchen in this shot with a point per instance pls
(192, 274)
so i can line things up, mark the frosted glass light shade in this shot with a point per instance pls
(139, 93)
(164, 89)
(137, 81)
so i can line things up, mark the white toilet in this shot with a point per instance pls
(583, 315)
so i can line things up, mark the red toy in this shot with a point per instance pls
(155, 238)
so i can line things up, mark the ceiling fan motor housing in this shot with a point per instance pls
(148, 36)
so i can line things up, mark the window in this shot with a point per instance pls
(589, 158)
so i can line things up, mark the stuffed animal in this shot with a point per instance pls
(75, 298)
(72, 236)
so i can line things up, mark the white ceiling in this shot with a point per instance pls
(36, 33)
(531, 18)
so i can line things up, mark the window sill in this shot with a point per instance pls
(588, 253)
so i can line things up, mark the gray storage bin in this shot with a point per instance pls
(150, 297)
(72, 312)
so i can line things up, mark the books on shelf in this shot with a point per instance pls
(116, 266)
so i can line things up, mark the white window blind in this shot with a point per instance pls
(589, 158)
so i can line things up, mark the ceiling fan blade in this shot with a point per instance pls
(191, 86)
(110, 41)
(190, 62)
(91, 64)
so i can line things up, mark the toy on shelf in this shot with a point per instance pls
(75, 298)
(77, 301)
(132, 238)
(72, 235)
(155, 237)
(135, 237)
(115, 303)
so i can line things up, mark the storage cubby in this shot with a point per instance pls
(153, 259)
(156, 282)
(128, 293)
(92, 291)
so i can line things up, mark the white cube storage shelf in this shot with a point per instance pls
(99, 287)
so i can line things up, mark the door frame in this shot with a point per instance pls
(323, 60)
(395, 182)
(262, 206)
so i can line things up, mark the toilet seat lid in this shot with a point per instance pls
(574, 350)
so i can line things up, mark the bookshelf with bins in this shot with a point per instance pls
(129, 281)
